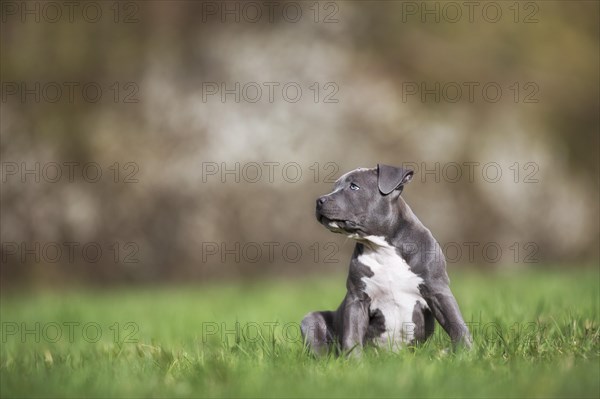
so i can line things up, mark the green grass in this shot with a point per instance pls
(541, 340)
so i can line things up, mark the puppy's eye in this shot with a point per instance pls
(353, 186)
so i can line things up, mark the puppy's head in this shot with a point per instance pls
(364, 201)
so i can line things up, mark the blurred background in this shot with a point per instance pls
(159, 142)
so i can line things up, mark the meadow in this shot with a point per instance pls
(536, 334)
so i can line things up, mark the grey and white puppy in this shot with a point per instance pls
(397, 282)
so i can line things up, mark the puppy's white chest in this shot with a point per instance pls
(393, 289)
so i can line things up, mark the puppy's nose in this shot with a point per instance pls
(321, 201)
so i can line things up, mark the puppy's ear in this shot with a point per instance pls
(392, 178)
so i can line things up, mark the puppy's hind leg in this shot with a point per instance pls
(317, 331)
